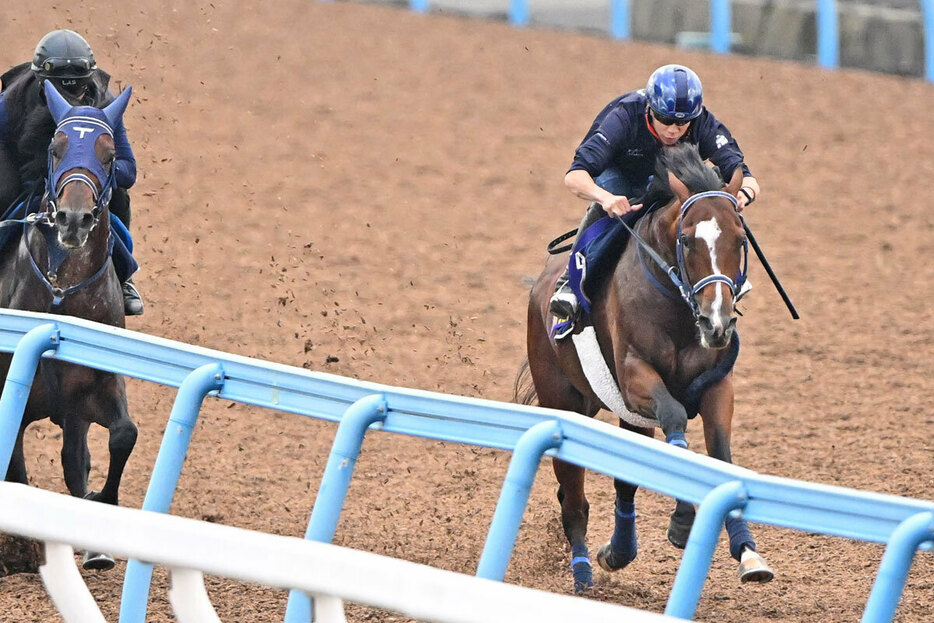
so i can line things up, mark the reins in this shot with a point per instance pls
(557, 251)
(58, 294)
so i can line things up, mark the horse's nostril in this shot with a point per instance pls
(86, 221)
(704, 323)
(60, 219)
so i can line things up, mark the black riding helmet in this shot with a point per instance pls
(64, 57)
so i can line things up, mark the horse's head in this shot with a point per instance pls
(711, 250)
(81, 165)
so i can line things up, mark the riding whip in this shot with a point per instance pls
(768, 269)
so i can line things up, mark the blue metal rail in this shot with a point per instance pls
(529, 432)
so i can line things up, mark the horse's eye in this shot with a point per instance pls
(685, 241)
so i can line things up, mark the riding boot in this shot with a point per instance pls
(564, 303)
(132, 303)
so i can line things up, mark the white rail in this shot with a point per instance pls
(328, 572)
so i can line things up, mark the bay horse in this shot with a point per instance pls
(59, 261)
(663, 335)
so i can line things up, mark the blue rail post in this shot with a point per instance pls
(519, 12)
(698, 553)
(165, 476)
(18, 383)
(418, 5)
(927, 21)
(721, 20)
(514, 496)
(619, 19)
(893, 570)
(337, 474)
(828, 40)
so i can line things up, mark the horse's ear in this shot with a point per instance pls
(115, 109)
(736, 181)
(678, 187)
(57, 104)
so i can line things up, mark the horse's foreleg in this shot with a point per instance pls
(16, 471)
(123, 433)
(575, 511)
(76, 458)
(645, 393)
(622, 547)
(716, 409)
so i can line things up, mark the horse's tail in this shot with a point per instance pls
(524, 389)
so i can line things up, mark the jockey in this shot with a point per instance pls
(27, 128)
(616, 159)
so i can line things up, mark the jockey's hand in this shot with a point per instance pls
(744, 197)
(619, 205)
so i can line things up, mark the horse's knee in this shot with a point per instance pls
(123, 436)
(671, 416)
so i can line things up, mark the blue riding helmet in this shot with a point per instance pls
(675, 92)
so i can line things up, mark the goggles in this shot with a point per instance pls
(662, 119)
(66, 67)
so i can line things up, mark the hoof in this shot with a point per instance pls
(609, 561)
(753, 568)
(97, 562)
(678, 535)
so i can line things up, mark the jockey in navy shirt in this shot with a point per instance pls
(27, 128)
(617, 156)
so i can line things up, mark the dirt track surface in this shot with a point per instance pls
(366, 191)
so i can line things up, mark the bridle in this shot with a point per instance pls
(80, 154)
(679, 274)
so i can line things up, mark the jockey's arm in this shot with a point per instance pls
(125, 161)
(582, 185)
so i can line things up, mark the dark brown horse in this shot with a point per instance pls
(60, 262)
(659, 351)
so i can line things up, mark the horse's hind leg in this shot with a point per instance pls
(622, 547)
(679, 527)
(575, 512)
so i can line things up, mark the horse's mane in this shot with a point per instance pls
(684, 161)
(30, 123)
